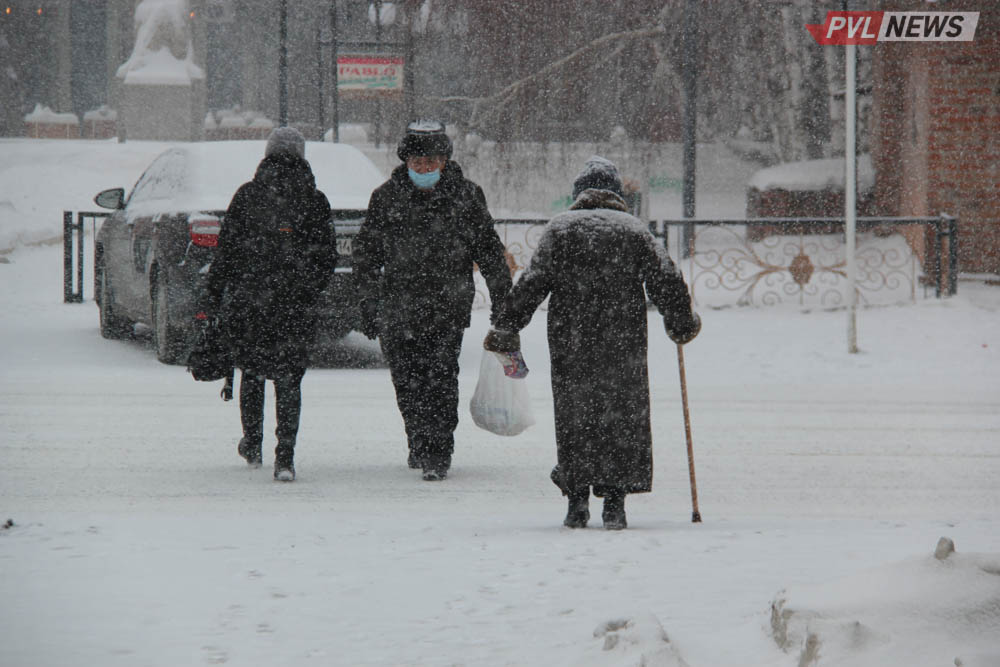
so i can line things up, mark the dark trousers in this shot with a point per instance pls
(424, 369)
(288, 391)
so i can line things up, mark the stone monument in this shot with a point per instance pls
(161, 91)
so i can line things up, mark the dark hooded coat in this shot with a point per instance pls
(598, 264)
(276, 253)
(416, 252)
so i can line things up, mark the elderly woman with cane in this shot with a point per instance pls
(599, 264)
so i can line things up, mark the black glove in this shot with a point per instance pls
(500, 340)
(370, 325)
(682, 328)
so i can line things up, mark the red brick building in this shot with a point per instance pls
(936, 131)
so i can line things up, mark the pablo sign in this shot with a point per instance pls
(369, 74)
(871, 27)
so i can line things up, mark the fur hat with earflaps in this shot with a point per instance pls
(598, 174)
(423, 138)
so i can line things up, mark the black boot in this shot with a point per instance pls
(415, 460)
(284, 467)
(614, 511)
(436, 467)
(250, 451)
(579, 513)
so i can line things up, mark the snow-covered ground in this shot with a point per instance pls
(825, 481)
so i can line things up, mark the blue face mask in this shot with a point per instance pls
(425, 181)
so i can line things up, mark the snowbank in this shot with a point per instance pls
(932, 610)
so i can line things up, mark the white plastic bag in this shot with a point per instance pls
(500, 404)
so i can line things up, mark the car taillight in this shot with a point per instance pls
(204, 231)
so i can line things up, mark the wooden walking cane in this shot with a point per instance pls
(695, 515)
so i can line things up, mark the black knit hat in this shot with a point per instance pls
(423, 138)
(598, 174)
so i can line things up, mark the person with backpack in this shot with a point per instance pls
(276, 253)
(426, 231)
(599, 264)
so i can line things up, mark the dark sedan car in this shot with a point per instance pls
(153, 254)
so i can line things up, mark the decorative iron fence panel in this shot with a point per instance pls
(799, 261)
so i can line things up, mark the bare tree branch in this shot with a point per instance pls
(484, 107)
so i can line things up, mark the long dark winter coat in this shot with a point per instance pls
(595, 261)
(276, 254)
(425, 244)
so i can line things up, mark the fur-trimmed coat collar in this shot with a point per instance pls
(592, 198)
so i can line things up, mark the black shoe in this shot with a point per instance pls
(250, 452)
(415, 460)
(436, 468)
(614, 512)
(579, 513)
(284, 469)
(284, 472)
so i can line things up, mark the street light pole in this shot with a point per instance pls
(689, 72)
(378, 52)
(850, 196)
(283, 63)
(335, 100)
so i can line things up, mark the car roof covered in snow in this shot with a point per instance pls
(204, 176)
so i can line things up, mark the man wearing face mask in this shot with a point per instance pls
(426, 228)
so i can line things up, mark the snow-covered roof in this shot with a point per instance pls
(103, 112)
(204, 176)
(43, 114)
(826, 174)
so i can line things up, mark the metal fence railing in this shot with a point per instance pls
(733, 261)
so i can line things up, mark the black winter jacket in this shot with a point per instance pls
(599, 263)
(416, 250)
(276, 254)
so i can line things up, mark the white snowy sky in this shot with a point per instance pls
(825, 481)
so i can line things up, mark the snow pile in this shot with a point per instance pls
(827, 174)
(43, 114)
(630, 642)
(934, 610)
(163, 53)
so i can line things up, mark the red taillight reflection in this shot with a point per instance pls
(204, 231)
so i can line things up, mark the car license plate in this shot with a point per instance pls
(344, 246)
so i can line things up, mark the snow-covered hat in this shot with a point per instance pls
(598, 174)
(422, 138)
(286, 141)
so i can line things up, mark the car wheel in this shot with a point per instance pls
(113, 327)
(167, 338)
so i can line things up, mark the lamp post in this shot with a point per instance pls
(850, 196)
(689, 72)
(283, 63)
(335, 92)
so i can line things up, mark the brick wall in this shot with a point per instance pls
(937, 131)
(44, 130)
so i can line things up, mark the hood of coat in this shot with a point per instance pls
(285, 173)
(593, 198)
(451, 177)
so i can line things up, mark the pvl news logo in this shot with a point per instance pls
(871, 27)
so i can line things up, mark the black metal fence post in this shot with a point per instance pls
(67, 256)
(952, 254)
(71, 295)
(79, 256)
